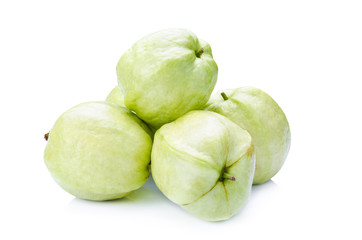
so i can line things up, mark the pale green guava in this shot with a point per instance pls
(205, 163)
(255, 111)
(99, 151)
(116, 96)
(167, 74)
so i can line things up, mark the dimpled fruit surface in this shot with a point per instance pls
(167, 74)
(255, 111)
(205, 163)
(99, 151)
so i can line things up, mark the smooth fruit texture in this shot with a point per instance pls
(99, 151)
(167, 74)
(205, 163)
(255, 111)
(116, 96)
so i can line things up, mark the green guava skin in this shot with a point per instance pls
(167, 74)
(255, 111)
(194, 159)
(116, 96)
(99, 151)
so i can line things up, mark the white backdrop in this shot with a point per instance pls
(306, 54)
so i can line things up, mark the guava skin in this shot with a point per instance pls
(255, 111)
(205, 163)
(116, 96)
(99, 151)
(167, 74)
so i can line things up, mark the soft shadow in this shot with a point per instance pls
(147, 194)
(260, 188)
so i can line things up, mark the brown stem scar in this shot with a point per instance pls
(46, 136)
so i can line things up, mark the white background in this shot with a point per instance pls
(306, 54)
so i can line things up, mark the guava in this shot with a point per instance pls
(99, 151)
(255, 111)
(116, 96)
(167, 74)
(205, 163)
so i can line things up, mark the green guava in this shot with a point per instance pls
(205, 163)
(116, 96)
(167, 74)
(99, 151)
(255, 111)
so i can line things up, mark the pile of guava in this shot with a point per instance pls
(204, 153)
